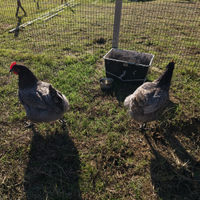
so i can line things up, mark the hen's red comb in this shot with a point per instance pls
(172, 60)
(12, 64)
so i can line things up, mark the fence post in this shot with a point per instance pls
(116, 28)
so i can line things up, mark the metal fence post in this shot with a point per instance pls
(118, 9)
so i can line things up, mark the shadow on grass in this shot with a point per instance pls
(122, 89)
(53, 168)
(176, 174)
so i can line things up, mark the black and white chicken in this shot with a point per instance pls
(148, 99)
(42, 102)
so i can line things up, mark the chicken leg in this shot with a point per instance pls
(61, 120)
(29, 125)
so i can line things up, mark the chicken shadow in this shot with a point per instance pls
(53, 168)
(176, 174)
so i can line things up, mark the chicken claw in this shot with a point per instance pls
(142, 126)
(62, 121)
(29, 125)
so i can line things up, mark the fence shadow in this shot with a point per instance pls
(53, 168)
(176, 173)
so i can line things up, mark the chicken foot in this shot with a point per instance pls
(61, 120)
(142, 127)
(29, 125)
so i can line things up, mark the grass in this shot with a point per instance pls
(101, 154)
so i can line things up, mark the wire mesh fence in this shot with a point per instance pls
(50, 26)
(161, 27)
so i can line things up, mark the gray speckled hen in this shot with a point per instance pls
(147, 100)
(42, 102)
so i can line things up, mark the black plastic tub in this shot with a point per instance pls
(128, 65)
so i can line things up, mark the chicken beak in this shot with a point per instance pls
(11, 70)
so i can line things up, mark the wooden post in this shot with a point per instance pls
(118, 9)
